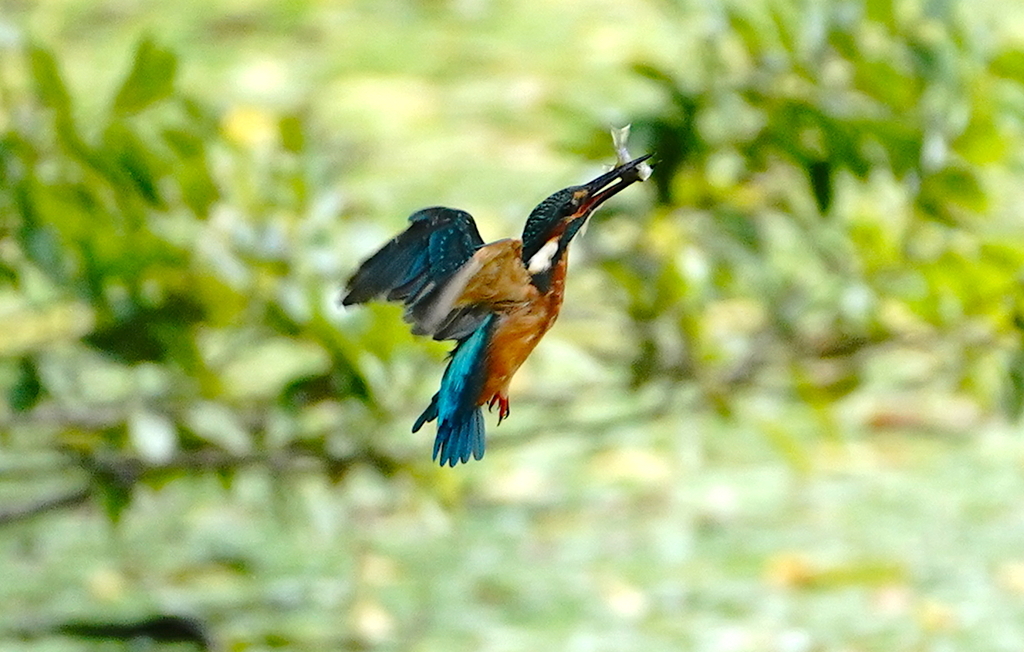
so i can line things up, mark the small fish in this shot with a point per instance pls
(619, 137)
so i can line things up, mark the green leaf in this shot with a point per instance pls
(843, 40)
(128, 342)
(1009, 64)
(750, 33)
(293, 134)
(115, 495)
(1013, 393)
(198, 189)
(655, 74)
(901, 142)
(783, 19)
(882, 12)
(866, 573)
(956, 187)
(886, 83)
(820, 173)
(27, 389)
(134, 161)
(150, 80)
(981, 142)
(152, 333)
(308, 390)
(114, 479)
(8, 275)
(49, 84)
(185, 144)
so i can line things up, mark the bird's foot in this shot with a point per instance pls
(502, 403)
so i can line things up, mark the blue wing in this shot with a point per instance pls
(414, 267)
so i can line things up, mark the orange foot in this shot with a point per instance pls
(502, 402)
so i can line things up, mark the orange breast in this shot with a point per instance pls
(517, 332)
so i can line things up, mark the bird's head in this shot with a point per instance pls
(557, 219)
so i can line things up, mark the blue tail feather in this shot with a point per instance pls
(428, 415)
(460, 422)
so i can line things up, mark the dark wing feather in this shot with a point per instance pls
(460, 322)
(415, 266)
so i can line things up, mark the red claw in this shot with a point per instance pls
(503, 410)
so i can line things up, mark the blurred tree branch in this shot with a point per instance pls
(120, 473)
(65, 500)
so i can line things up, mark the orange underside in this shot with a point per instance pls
(524, 315)
(516, 335)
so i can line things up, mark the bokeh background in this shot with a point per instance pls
(781, 409)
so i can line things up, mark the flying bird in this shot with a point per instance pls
(495, 300)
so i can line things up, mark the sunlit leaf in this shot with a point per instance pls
(48, 81)
(1009, 64)
(882, 12)
(198, 189)
(192, 171)
(949, 190)
(745, 28)
(785, 23)
(185, 144)
(982, 142)
(150, 80)
(901, 142)
(841, 38)
(797, 570)
(886, 83)
(858, 573)
(293, 134)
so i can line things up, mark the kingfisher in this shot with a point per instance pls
(494, 300)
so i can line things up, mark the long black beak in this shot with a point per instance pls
(611, 183)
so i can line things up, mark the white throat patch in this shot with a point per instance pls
(541, 261)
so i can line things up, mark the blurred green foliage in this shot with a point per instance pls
(827, 172)
(822, 192)
(836, 199)
(114, 249)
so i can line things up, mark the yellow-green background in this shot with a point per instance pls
(870, 499)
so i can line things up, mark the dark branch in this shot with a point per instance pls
(61, 501)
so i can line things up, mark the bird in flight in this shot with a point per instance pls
(495, 300)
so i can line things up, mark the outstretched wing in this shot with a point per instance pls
(494, 276)
(415, 268)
